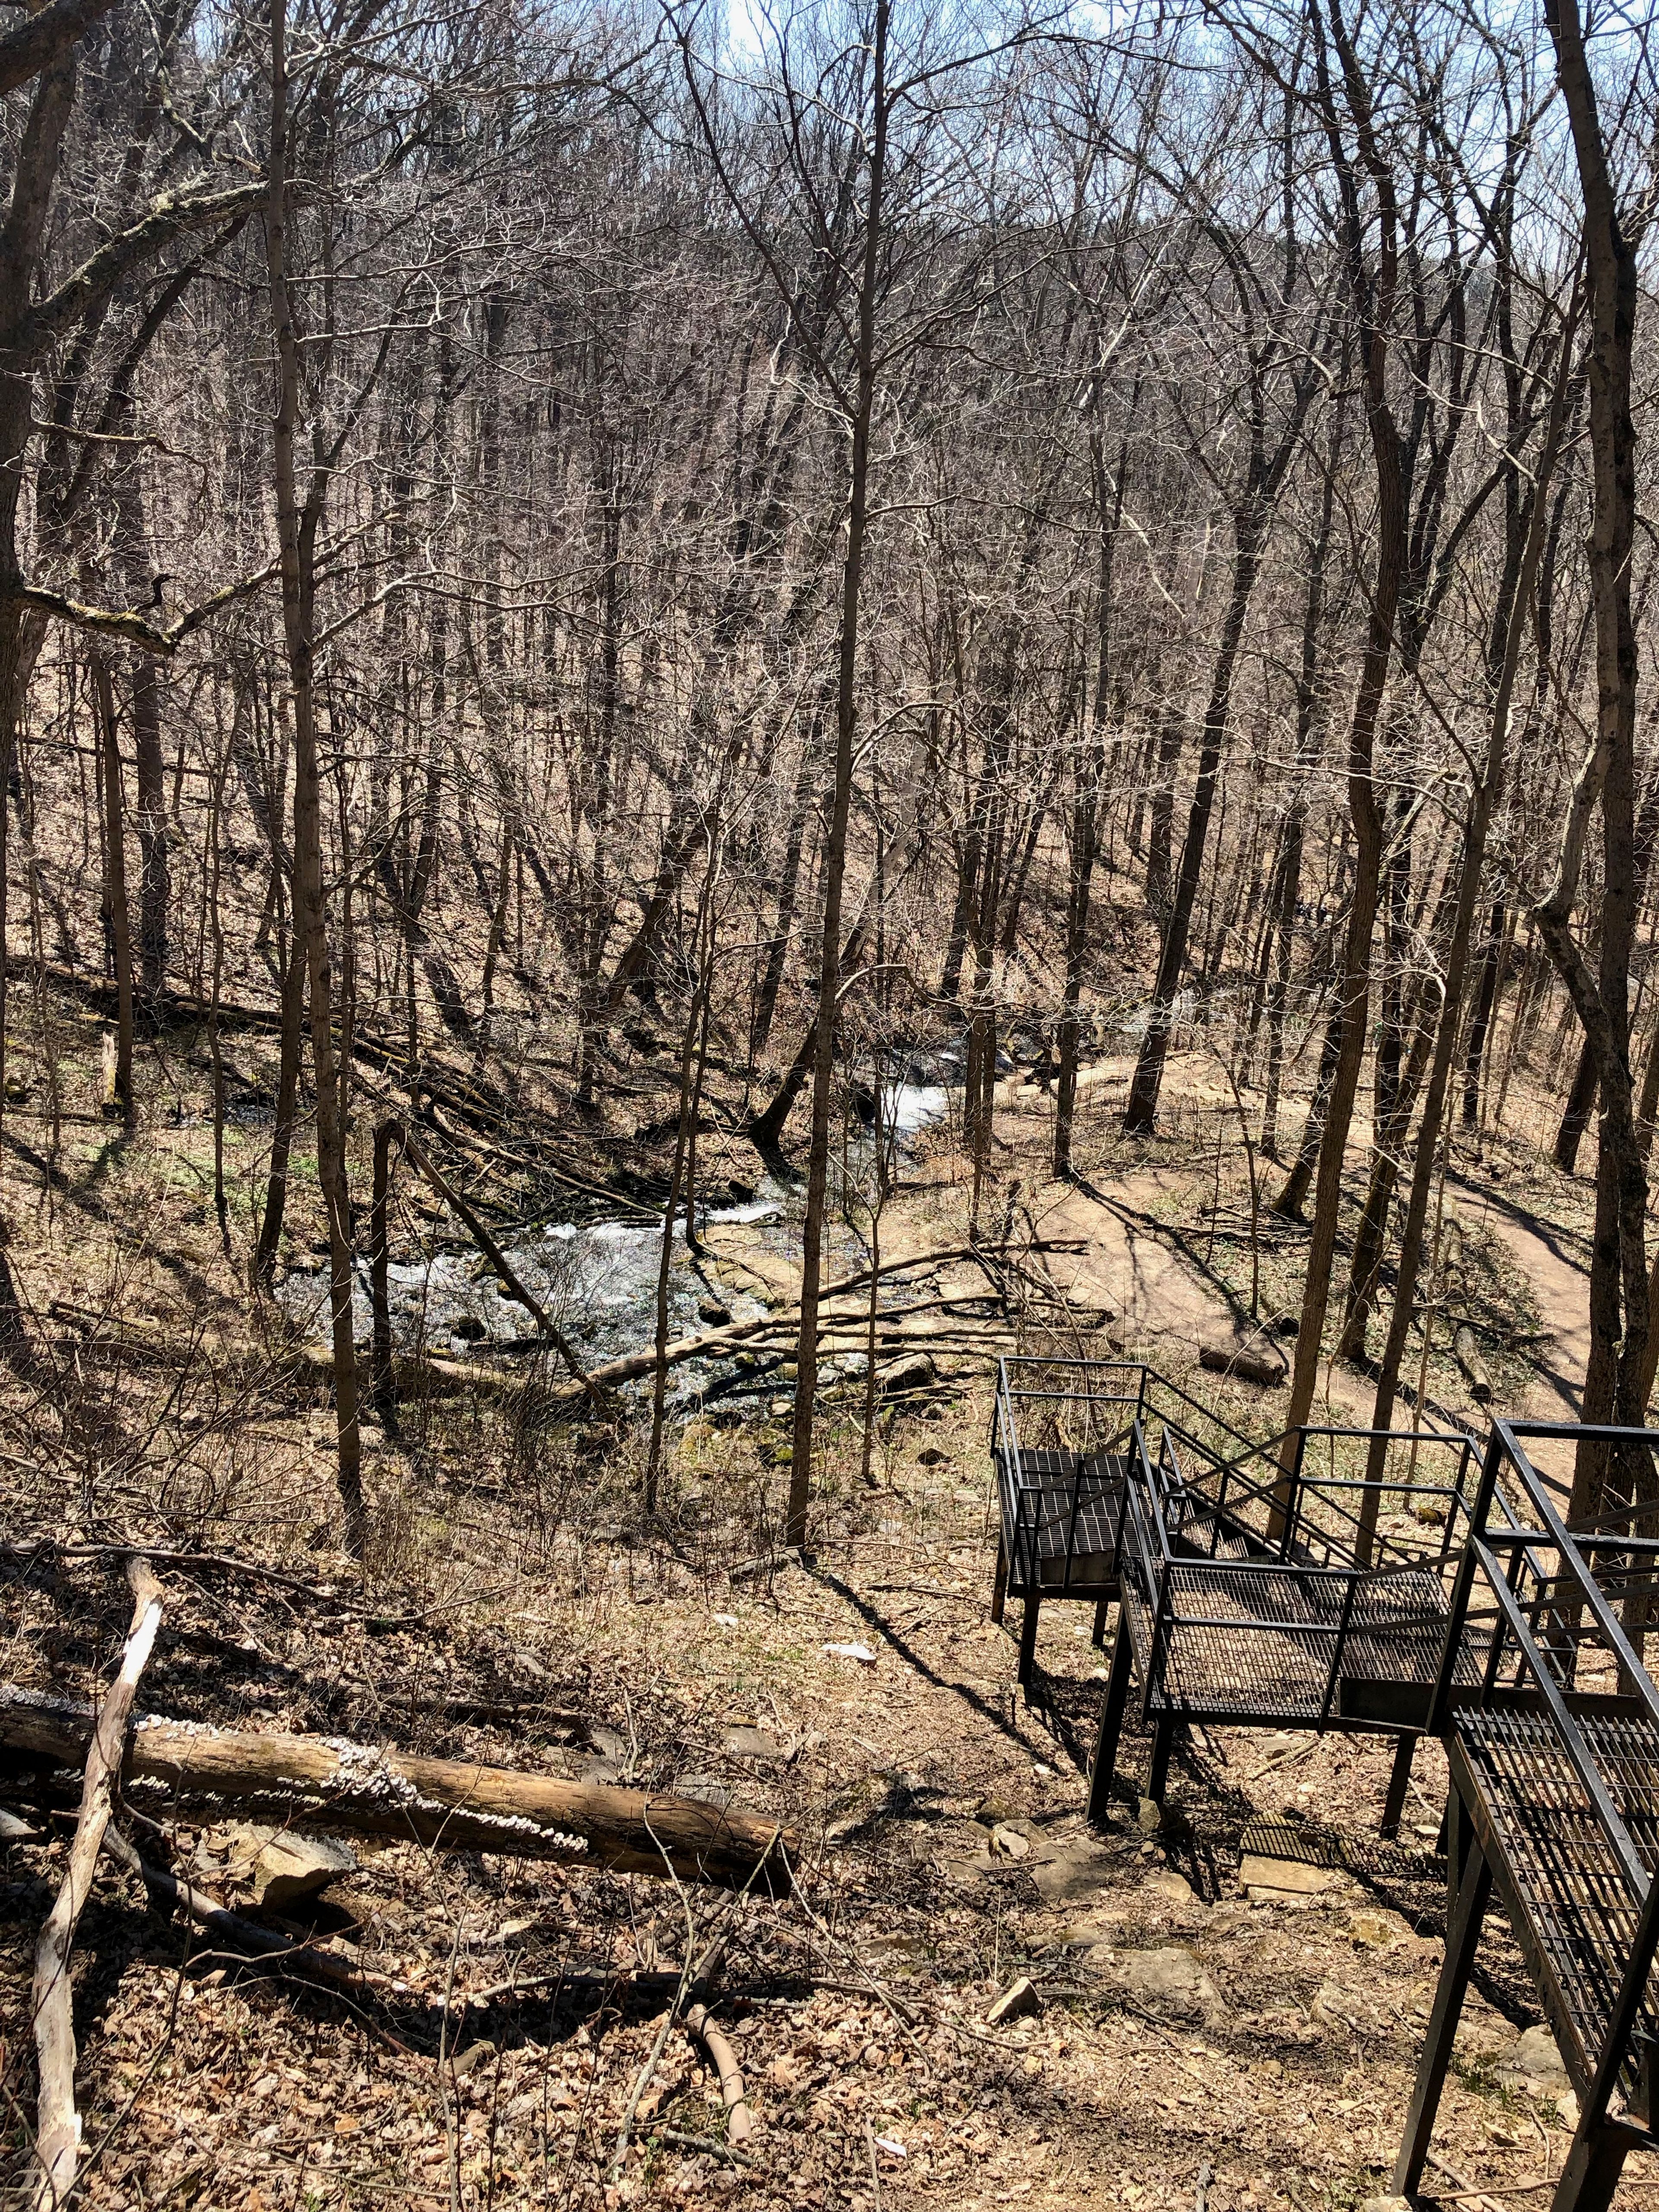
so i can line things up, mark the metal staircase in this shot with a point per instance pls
(1287, 1584)
(1554, 1755)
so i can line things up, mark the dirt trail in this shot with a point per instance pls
(1548, 1256)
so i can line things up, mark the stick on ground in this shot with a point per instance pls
(57, 2131)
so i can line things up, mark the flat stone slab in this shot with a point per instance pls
(1171, 1980)
(707, 1789)
(1533, 2066)
(1277, 1878)
(1075, 1874)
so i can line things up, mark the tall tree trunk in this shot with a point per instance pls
(1577, 1113)
(296, 538)
(1493, 959)
(1373, 290)
(1140, 1114)
(154, 885)
(834, 852)
(1483, 797)
(1618, 1279)
(119, 1099)
(290, 1039)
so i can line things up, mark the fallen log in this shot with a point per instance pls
(1248, 1364)
(1467, 1353)
(331, 1782)
(58, 2131)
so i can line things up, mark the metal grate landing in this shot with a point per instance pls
(1259, 1643)
(1567, 1881)
(1066, 1508)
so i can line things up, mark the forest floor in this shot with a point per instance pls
(1197, 2043)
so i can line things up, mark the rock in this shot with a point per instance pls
(707, 1789)
(607, 1742)
(473, 2055)
(1104, 1926)
(600, 1770)
(1270, 1882)
(1533, 2066)
(1009, 1842)
(712, 1311)
(913, 1372)
(289, 1868)
(1386, 2204)
(14, 1831)
(1332, 2007)
(1176, 1897)
(1017, 1999)
(780, 1409)
(1076, 1873)
(1171, 1980)
(963, 1873)
(1149, 1816)
(1377, 1930)
(751, 1743)
(993, 1812)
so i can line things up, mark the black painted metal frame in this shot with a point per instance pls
(1258, 1591)
(1555, 1792)
(1090, 1402)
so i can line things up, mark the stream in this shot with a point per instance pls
(597, 1280)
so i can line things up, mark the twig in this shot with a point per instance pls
(619, 2155)
(1466, 2192)
(1284, 1757)
(681, 2141)
(57, 2133)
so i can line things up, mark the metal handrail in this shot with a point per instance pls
(1577, 1568)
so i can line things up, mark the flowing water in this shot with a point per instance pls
(598, 1280)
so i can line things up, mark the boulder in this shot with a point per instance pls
(1075, 1874)
(289, 1868)
(1171, 1980)
(912, 1372)
(1534, 2067)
